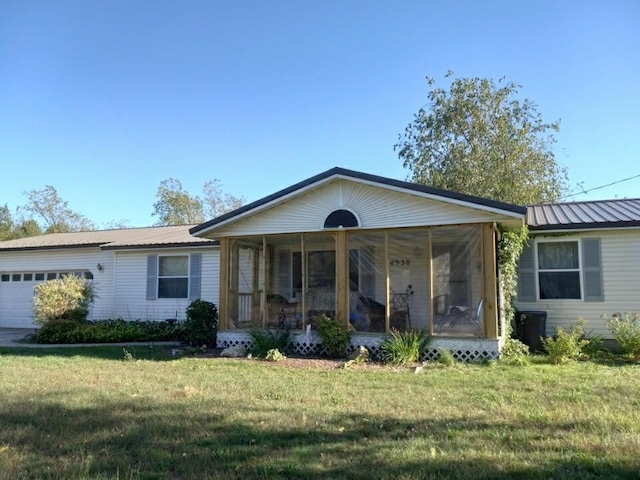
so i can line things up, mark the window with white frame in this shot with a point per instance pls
(173, 276)
(559, 270)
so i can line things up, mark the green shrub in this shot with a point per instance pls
(565, 345)
(266, 340)
(514, 352)
(274, 355)
(201, 325)
(402, 348)
(445, 357)
(66, 298)
(335, 336)
(108, 331)
(626, 330)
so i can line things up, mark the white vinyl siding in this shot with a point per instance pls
(620, 270)
(16, 296)
(131, 285)
(375, 207)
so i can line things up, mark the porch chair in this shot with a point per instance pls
(460, 314)
(282, 312)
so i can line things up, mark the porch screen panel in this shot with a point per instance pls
(408, 257)
(457, 281)
(246, 279)
(367, 281)
(284, 282)
(319, 284)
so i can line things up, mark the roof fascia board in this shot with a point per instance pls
(582, 228)
(190, 245)
(51, 247)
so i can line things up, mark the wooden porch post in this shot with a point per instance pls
(342, 276)
(490, 281)
(223, 313)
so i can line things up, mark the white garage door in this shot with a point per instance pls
(16, 296)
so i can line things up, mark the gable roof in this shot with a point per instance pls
(618, 213)
(126, 238)
(342, 173)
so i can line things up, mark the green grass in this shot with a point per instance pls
(88, 413)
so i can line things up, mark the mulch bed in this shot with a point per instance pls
(308, 363)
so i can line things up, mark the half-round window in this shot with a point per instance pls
(341, 219)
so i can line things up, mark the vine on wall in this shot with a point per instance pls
(510, 244)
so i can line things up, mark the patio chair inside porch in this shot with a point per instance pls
(282, 313)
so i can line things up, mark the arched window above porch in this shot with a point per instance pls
(341, 219)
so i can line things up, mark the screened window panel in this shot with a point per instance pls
(173, 287)
(558, 255)
(174, 266)
(559, 285)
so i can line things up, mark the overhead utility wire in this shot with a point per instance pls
(601, 186)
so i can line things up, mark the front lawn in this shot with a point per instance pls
(89, 413)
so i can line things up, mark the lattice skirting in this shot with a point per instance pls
(463, 349)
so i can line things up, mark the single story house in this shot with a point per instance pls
(582, 261)
(372, 252)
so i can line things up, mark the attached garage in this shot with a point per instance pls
(116, 261)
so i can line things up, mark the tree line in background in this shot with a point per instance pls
(46, 212)
(475, 137)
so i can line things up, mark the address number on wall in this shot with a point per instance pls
(400, 262)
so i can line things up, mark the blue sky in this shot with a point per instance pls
(104, 100)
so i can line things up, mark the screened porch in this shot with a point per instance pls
(437, 279)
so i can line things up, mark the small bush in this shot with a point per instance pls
(402, 348)
(335, 336)
(266, 340)
(514, 352)
(626, 330)
(445, 357)
(66, 298)
(566, 345)
(201, 325)
(274, 355)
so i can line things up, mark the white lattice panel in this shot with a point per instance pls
(463, 350)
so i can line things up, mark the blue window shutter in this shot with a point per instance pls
(195, 276)
(152, 277)
(592, 270)
(526, 275)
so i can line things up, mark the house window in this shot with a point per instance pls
(5, 277)
(16, 277)
(51, 276)
(341, 219)
(27, 277)
(39, 277)
(559, 270)
(173, 276)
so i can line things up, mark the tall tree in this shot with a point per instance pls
(6, 223)
(27, 228)
(176, 206)
(216, 202)
(478, 138)
(54, 212)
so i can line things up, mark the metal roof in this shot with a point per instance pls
(147, 237)
(618, 213)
